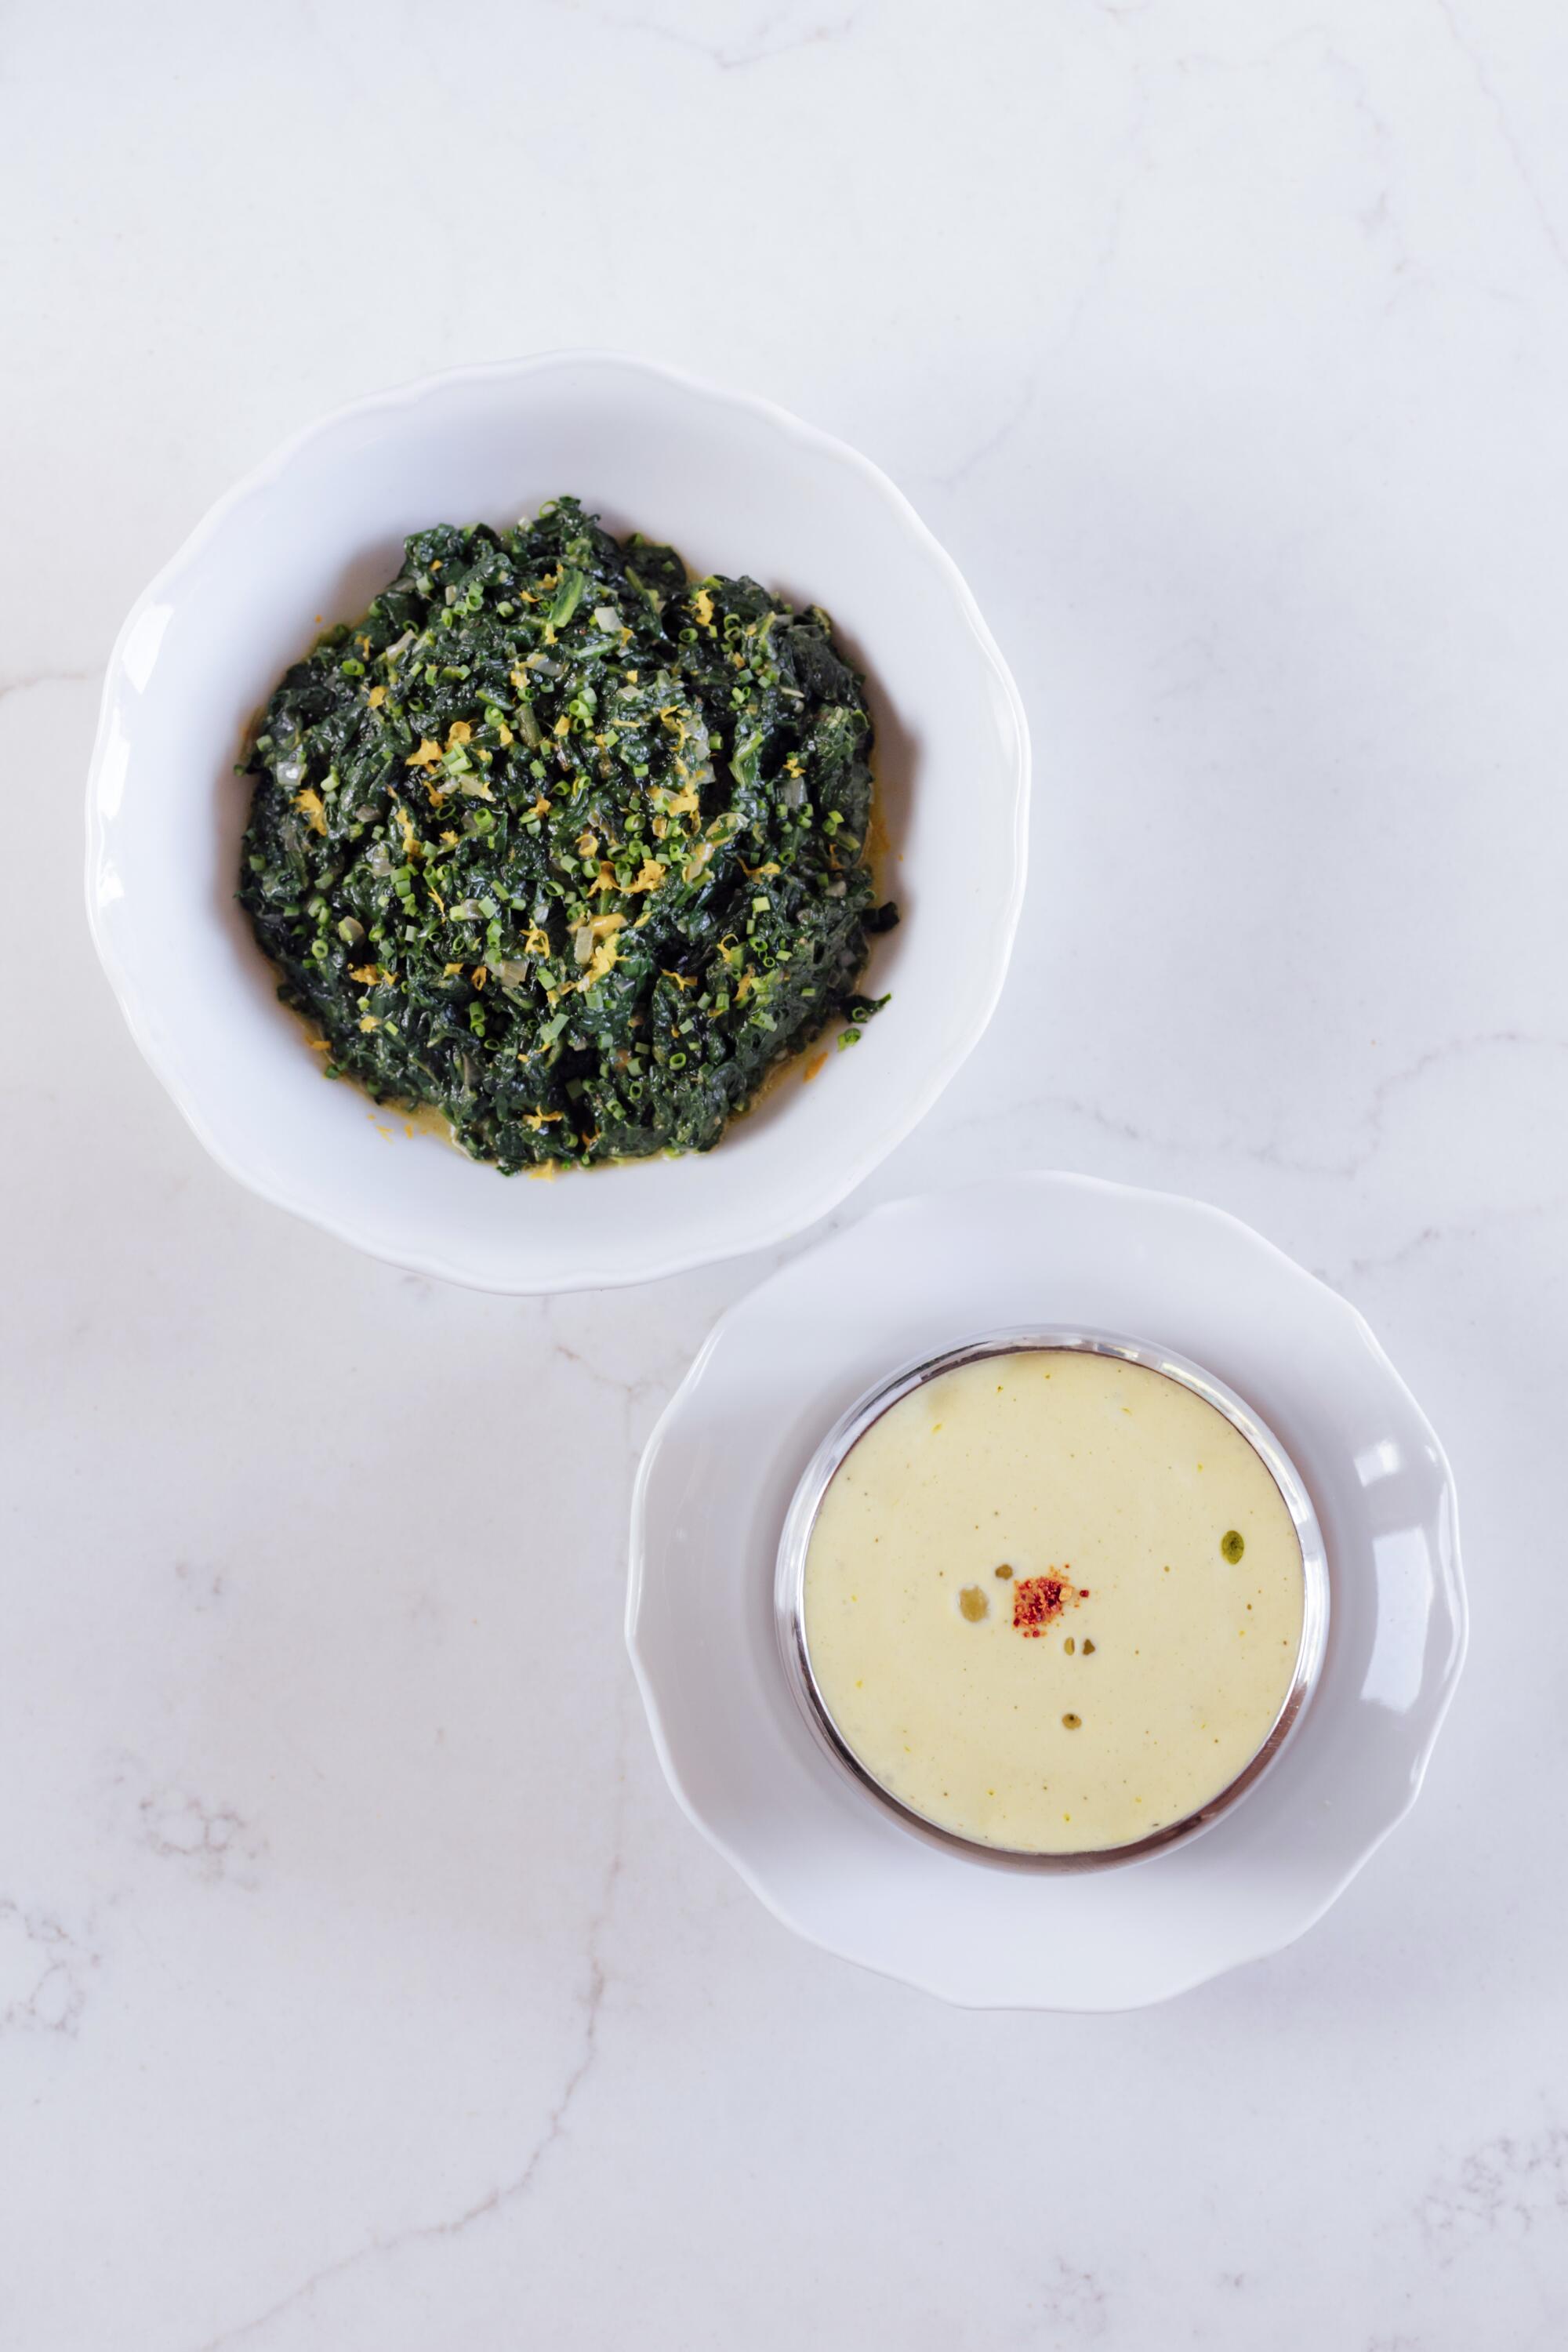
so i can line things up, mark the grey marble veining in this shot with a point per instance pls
(359, 1983)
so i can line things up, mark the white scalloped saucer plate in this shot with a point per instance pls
(905, 1281)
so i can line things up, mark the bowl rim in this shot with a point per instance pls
(1039, 1338)
(929, 1076)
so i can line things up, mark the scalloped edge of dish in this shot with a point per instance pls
(1447, 1681)
(769, 1231)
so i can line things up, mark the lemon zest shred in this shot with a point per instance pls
(601, 961)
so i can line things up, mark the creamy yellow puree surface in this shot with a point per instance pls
(1027, 1610)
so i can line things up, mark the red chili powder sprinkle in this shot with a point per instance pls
(1036, 1600)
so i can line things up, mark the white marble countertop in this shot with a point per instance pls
(362, 1988)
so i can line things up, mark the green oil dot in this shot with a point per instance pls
(1231, 1545)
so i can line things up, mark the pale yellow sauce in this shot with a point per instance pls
(1127, 1706)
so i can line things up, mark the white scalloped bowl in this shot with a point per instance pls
(737, 486)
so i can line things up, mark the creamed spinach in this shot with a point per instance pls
(564, 845)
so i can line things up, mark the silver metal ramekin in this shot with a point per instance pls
(789, 1590)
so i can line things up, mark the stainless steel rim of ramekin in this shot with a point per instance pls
(789, 1590)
